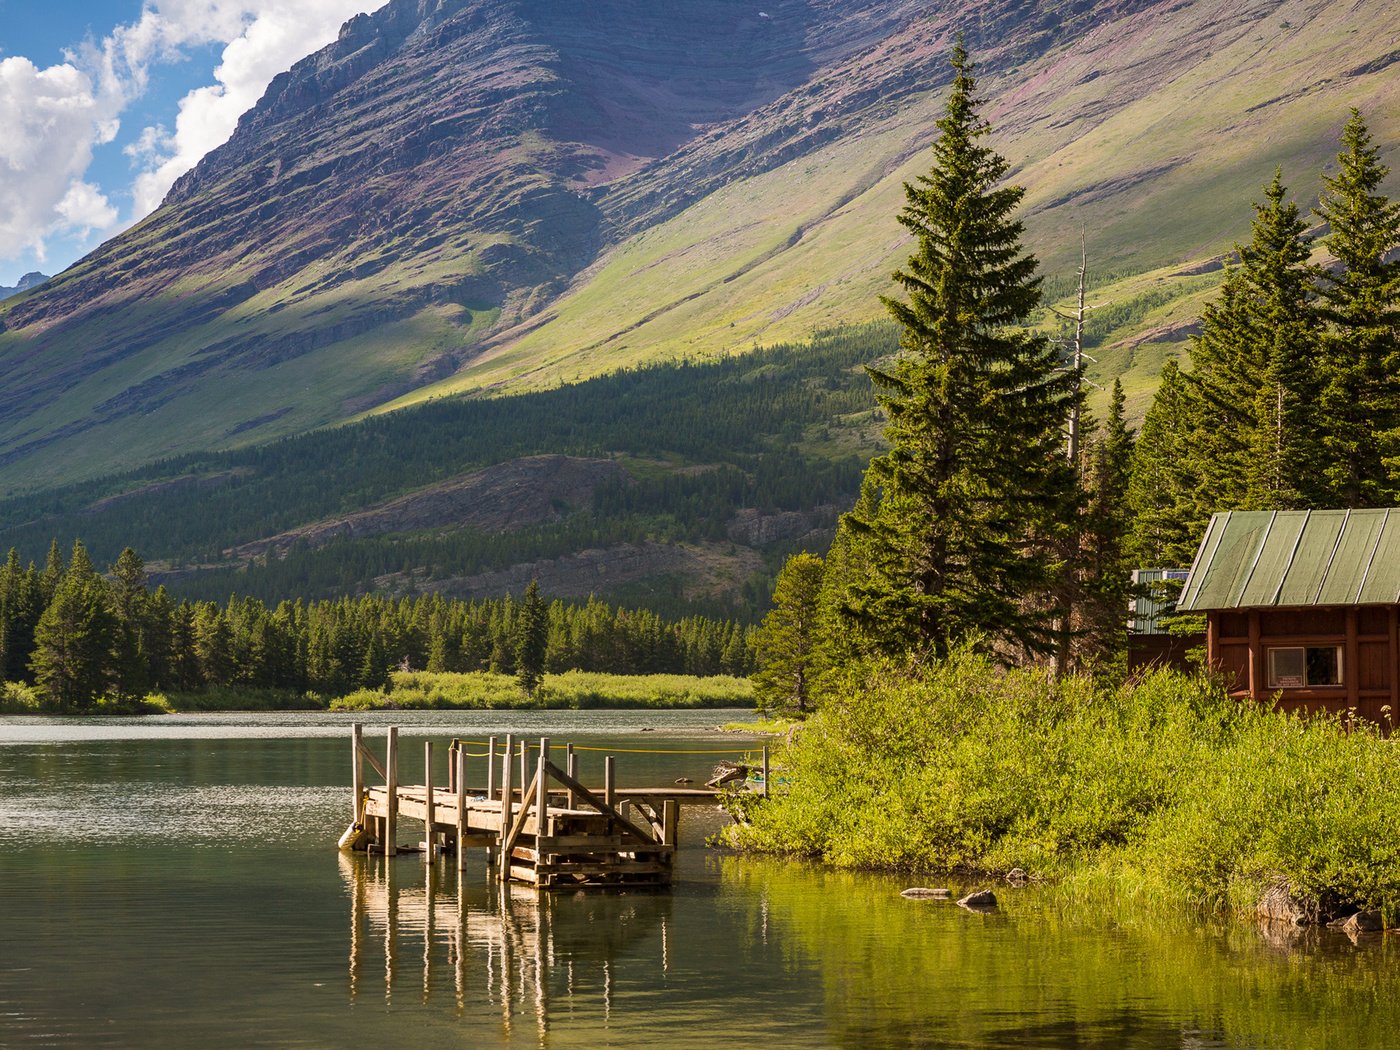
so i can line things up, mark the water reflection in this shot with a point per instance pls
(430, 931)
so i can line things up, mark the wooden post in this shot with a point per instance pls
(670, 821)
(524, 764)
(610, 785)
(461, 809)
(452, 749)
(571, 767)
(357, 769)
(391, 804)
(1393, 645)
(1256, 658)
(765, 770)
(491, 768)
(507, 800)
(542, 791)
(429, 836)
(1351, 667)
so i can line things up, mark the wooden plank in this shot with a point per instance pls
(597, 803)
(508, 843)
(608, 868)
(368, 756)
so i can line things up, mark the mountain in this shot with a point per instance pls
(30, 280)
(477, 195)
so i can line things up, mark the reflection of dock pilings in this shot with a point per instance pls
(524, 952)
(551, 832)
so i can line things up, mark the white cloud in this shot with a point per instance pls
(52, 119)
(274, 34)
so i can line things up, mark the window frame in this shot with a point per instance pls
(1272, 678)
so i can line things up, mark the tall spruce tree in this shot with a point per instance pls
(1105, 569)
(74, 659)
(531, 638)
(1166, 495)
(1255, 369)
(787, 643)
(1360, 403)
(959, 516)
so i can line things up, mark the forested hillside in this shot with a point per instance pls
(705, 474)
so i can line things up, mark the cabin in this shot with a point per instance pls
(1150, 644)
(1302, 606)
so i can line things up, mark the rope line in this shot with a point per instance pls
(604, 750)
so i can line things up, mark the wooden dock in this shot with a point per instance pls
(550, 832)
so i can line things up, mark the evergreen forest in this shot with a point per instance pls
(78, 638)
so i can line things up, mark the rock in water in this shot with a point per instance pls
(979, 900)
(1364, 922)
(925, 893)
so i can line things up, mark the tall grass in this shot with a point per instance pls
(572, 689)
(1164, 789)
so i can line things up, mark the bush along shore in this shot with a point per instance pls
(423, 690)
(572, 689)
(1160, 791)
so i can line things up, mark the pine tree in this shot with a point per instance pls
(1105, 569)
(787, 643)
(74, 662)
(531, 638)
(964, 506)
(1254, 371)
(1360, 403)
(1165, 492)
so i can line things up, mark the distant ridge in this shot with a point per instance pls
(467, 195)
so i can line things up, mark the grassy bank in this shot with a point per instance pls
(1165, 790)
(573, 689)
(414, 690)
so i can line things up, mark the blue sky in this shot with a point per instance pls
(104, 103)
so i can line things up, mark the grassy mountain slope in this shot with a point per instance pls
(486, 194)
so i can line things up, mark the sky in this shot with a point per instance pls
(105, 103)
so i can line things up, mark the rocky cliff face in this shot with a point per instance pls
(421, 204)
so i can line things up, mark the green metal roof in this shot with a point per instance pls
(1259, 559)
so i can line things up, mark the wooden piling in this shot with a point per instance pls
(357, 770)
(542, 789)
(491, 767)
(391, 782)
(428, 802)
(571, 767)
(507, 799)
(462, 808)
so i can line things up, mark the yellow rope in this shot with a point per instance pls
(606, 750)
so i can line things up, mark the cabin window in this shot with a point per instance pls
(1305, 667)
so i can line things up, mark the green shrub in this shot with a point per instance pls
(16, 698)
(1164, 788)
(573, 689)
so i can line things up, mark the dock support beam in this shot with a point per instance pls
(357, 774)
(391, 778)
(429, 836)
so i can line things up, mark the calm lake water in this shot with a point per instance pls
(174, 882)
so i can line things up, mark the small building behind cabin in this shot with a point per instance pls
(1303, 606)
(1150, 642)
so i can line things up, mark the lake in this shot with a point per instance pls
(174, 882)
